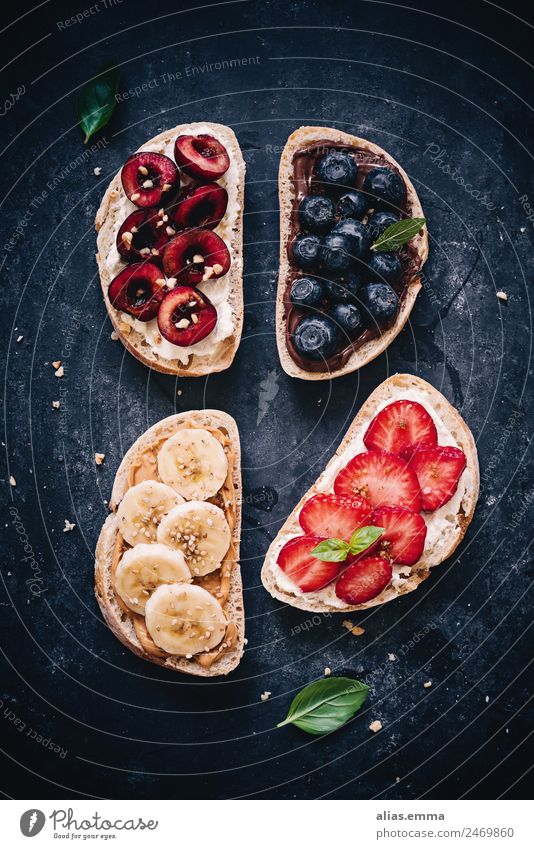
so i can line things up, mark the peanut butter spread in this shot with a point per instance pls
(217, 583)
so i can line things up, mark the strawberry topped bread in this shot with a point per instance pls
(170, 250)
(395, 500)
(167, 575)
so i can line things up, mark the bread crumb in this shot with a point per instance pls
(20, 338)
(55, 405)
(179, 391)
(265, 696)
(12, 481)
(427, 685)
(245, 642)
(355, 630)
(59, 372)
(375, 726)
(392, 656)
(56, 363)
(114, 335)
(327, 671)
(502, 296)
(487, 700)
(397, 779)
(99, 459)
(69, 526)
(97, 171)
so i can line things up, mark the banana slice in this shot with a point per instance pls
(200, 531)
(142, 508)
(184, 619)
(193, 462)
(144, 568)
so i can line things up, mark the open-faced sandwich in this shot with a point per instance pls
(170, 250)
(395, 500)
(352, 245)
(167, 575)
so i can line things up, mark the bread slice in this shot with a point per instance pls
(303, 137)
(120, 622)
(113, 210)
(450, 527)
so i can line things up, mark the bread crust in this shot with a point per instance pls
(371, 349)
(391, 388)
(107, 224)
(117, 620)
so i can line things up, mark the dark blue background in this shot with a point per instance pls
(452, 76)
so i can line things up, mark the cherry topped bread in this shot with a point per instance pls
(170, 250)
(394, 501)
(353, 242)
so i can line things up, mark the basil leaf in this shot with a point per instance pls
(333, 550)
(326, 705)
(397, 234)
(96, 100)
(363, 538)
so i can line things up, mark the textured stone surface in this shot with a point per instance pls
(446, 99)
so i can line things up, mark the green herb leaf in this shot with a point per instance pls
(96, 100)
(363, 538)
(397, 234)
(326, 705)
(333, 550)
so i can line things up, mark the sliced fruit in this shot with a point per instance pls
(305, 571)
(140, 237)
(201, 157)
(142, 509)
(193, 463)
(184, 619)
(186, 316)
(399, 425)
(382, 478)
(138, 290)
(149, 177)
(146, 567)
(329, 516)
(204, 206)
(408, 452)
(403, 540)
(438, 471)
(195, 256)
(364, 580)
(200, 531)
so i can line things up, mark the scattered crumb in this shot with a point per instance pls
(392, 656)
(427, 685)
(56, 363)
(397, 779)
(375, 726)
(179, 391)
(69, 526)
(97, 171)
(12, 481)
(114, 335)
(245, 642)
(55, 405)
(59, 372)
(355, 630)
(327, 671)
(487, 699)
(265, 696)
(20, 338)
(99, 459)
(502, 296)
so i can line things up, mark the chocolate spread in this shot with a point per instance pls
(304, 164)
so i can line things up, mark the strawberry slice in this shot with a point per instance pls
(438, 471)
(398, 425)
(407, 453)
(404, 534)
(306, 571)
(381, 478)
(364, 580)
(333, 516)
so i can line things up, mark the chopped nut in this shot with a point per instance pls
(194, 318)
(148, 184)
(355, 630)
(97, 171)
(171, 282)
(502, 296)
(217, 268)
(160, 281)
(99, 459)
(59, 372)
(208, 272)
(56, 363)
(166, 186)
(69, 526)
(135, 196)
(327, 671)
(127, 236)
(182, 324)
(198, 258)
(170, 231)
(265, 696)
(12, 481)
(427, 684)
(375, 726)
(20, 338)
(55, 405)
(142, 170)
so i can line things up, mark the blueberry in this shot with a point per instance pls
(306, 250)
(343, 289)
(352, 205)
(385, 188)
(335, 252)
(359, 236)
(385, 266)
(337, 169)
(306, 292)
(317, 213)
(380, 221)
(315, 337)
(380, 303)
(347, 317)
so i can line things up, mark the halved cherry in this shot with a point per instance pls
(204, 206)
(186, 316)
(149, 177)
(138, 290)
(201, 157)
(142, 236)
(196, 255)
